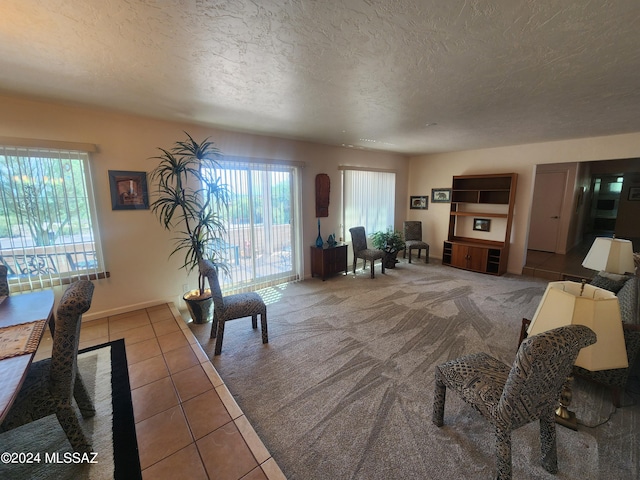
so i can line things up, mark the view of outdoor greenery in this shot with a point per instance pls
(43, 200)
(258, 224)
(246, 206)
(45, 227)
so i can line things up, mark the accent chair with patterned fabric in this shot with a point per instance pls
(413, 240)
(510, 397)
(4, 282)
(239, 305)
(51, 384)
(360, 250)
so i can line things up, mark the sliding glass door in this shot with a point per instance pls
(262, 241)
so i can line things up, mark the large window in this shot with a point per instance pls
(263, 238)
(368, 199)
(48, 232)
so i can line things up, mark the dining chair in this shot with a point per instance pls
(51, 384)
(510, 397)
(360, 250)
(231, 307)
(413, 240)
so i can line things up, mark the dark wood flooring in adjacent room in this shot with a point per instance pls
(553, 266)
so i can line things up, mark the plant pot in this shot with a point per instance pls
(200, 307)
(390, 259)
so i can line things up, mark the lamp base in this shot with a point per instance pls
(566, 418)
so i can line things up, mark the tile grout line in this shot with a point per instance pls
(249, 435)
(256, 447)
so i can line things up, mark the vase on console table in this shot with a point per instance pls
(319, 241)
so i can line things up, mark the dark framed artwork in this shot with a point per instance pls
(323, 186)
(634, 194)
(481, 224)
(441, 195)
(420, 202)
(128, 190)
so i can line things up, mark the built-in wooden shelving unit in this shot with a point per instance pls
(480, 222)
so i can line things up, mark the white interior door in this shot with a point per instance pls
(548, 193)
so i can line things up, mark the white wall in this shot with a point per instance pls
(136, 248)
(436, 171)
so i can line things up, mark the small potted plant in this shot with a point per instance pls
(391, 242)
(188, 199)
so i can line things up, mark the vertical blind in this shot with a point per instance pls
(262, 245)
(368, 199)
(48, 232)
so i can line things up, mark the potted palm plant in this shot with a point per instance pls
(391, 242)
(188, 199)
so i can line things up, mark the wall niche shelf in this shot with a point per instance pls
(480, 196)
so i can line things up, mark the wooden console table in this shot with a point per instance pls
(328, 261)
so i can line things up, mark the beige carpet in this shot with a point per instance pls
(344, 388)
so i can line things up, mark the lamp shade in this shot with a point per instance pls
(565, 303)
(612, 255)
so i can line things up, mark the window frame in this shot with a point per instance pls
(46, 265)
(363, 220)
(252, 280)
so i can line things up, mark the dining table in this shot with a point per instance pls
(23, 319)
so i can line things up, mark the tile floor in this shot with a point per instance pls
(187, 423)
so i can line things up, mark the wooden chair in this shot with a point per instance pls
(51, 384)
(360, 250)
(231, 307)
(510, 397)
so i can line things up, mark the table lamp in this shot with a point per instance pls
(565, 303)
(611, 255)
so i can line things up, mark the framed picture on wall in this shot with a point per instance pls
(634, 194)
(441, 195)
(420, 202)
(128, 190)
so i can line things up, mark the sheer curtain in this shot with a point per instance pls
(368, 199)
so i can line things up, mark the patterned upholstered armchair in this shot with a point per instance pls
(360, 250)
(51, 384)
(413, 240)
(4, 283)
(240, 305)
(510, 397)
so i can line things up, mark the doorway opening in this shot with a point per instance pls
(604, 205)
(600, 201)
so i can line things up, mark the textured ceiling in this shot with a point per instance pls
(411, 76)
